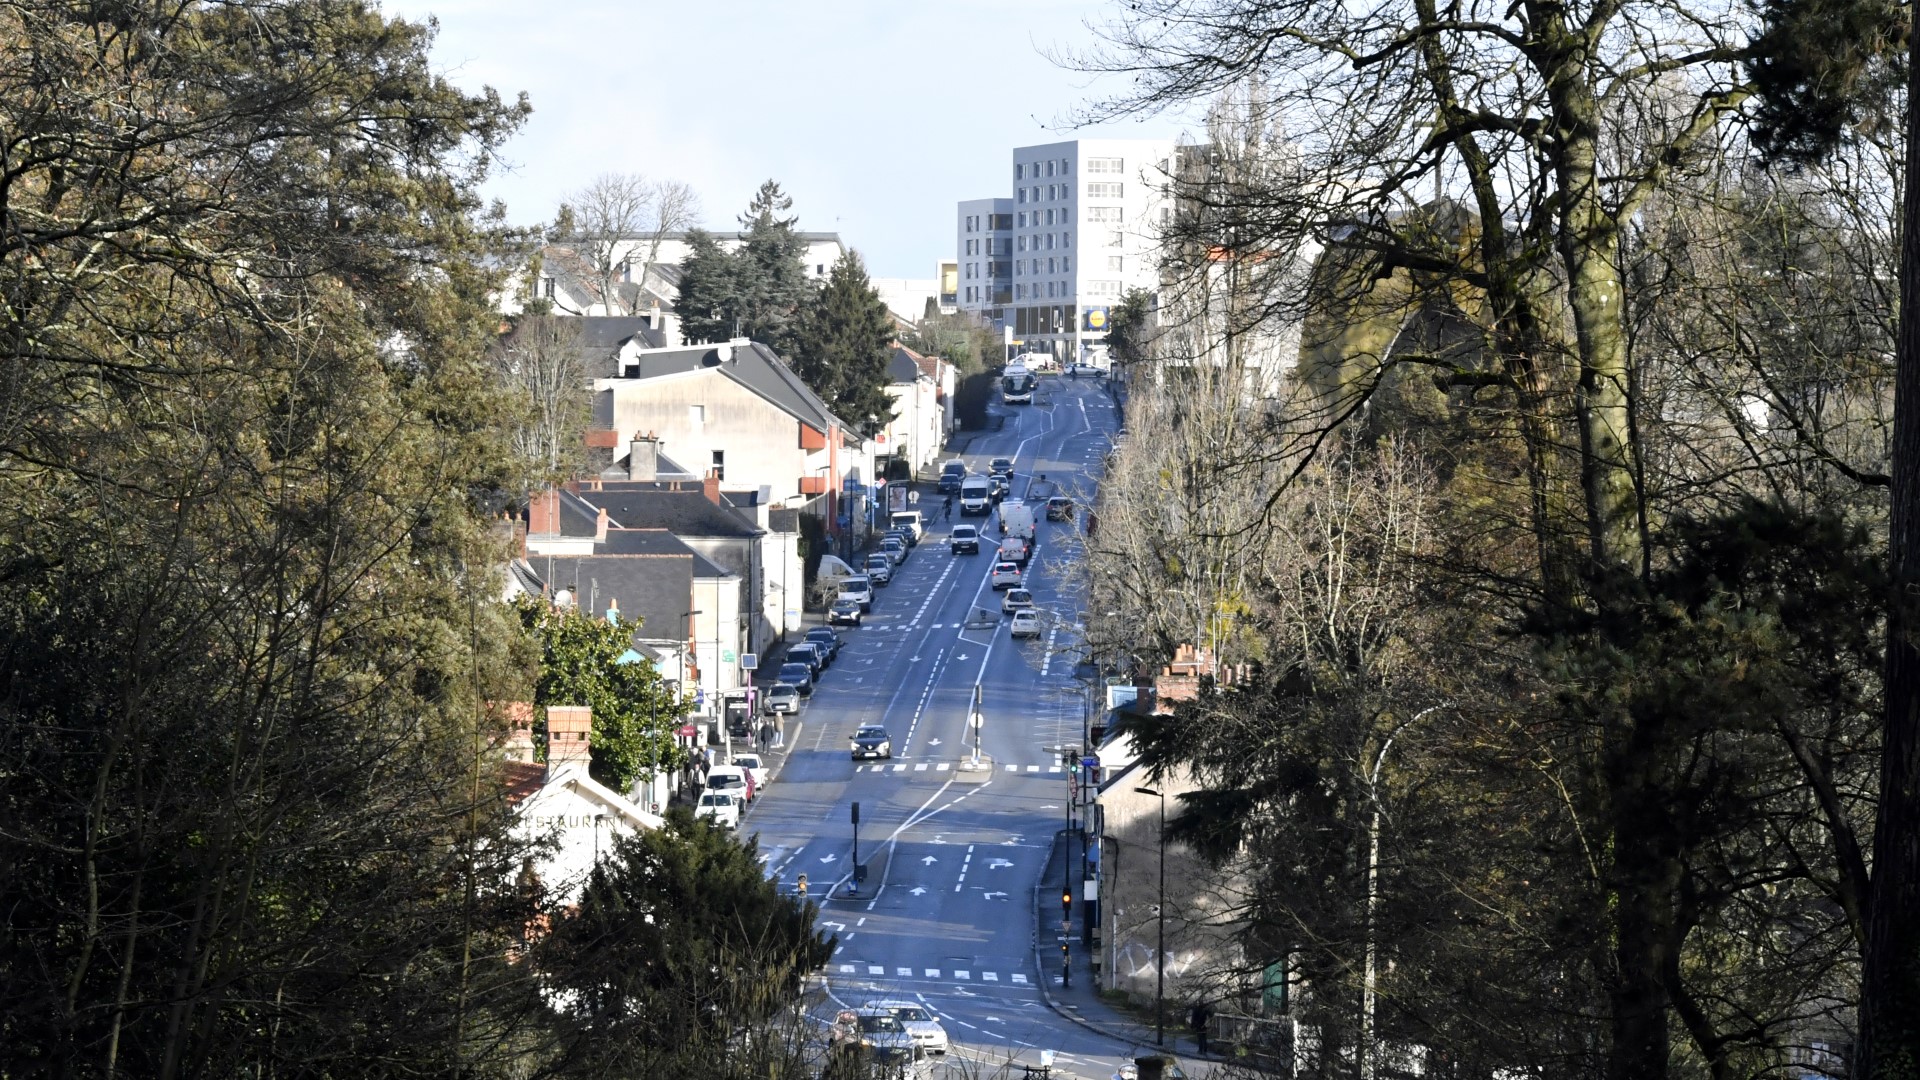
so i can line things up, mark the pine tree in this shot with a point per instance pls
(770, 273)
(709, 301)
(844, 342)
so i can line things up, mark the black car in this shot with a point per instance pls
(825, 638)
(1060, 508)
(805, 653)
(844, 613)
(872, 741)
(799, 676)
(951, 474)
(1001, 466)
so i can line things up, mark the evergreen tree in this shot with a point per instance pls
(709, 301)
(843, 344)
(770, 273)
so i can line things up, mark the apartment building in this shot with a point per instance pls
(1086, 220)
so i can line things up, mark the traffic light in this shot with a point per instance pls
(1066, 903)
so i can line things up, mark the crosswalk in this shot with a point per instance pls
(947, 766)
(882, 971)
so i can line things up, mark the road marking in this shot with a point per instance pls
(922, 767)
(846, 969)
(962, 975)
(1019, 978)
(942, 767)
(933, 973)
(905, 973)
(990, 976)
(899, 768)
(876, 969)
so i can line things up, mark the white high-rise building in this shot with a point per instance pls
(1086, 218)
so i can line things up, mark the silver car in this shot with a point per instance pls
(920, 1023)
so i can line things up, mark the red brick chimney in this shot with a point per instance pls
(518, 718)
(568, 727)
(1180, 680)
(712, 487)
(600, 526)
(543, 513)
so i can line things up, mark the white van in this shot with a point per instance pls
(909, 519)
(976, 495)
(1016, 519)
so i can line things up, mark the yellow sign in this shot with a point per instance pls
(1096, 318)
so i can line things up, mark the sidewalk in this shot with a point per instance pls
(1081, 1001)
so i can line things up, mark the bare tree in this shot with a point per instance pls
(614, 218)
(545, 372)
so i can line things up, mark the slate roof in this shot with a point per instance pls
(901, 367)
(704, 567)
(601, 332)
(681, 508)
(753, 366)
(654, 587)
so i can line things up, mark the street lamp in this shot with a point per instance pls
(1160, 913)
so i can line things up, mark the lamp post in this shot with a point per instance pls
(1160, 914)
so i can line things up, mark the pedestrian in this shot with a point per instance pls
(779, 734)
(1198, 1019)
(949, 508)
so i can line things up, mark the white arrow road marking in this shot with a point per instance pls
(935, 742)
(834, 925)
(930, 860)
(996, 864)
(996, 896)
(962, 656)
(917, 890)
(828, 858)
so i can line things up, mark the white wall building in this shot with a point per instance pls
(984, 240)
(1087, 219)
(558, 800)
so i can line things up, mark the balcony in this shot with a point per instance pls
(813, 485)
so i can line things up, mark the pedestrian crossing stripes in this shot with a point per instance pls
(881, 971)
(947, 766)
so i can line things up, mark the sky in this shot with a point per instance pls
(877, 116)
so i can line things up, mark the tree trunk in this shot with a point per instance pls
(1890, 998)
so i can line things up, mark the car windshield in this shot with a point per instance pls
(871, 733)
(963, 530)
(856, 583)
(746, 761)
(879, 1023)
(1002, 463)
(793, 672)
(718, 780)
(781, 690)
(911, 1013)
(716, 799)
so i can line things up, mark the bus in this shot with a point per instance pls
(1016, 384)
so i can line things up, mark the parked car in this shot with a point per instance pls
(844, 613)
(1059, 508)
(825, 637)
(907, 536)
(919, 1021)
(804, 653)
(783, 699)
(719, 807)
(911, 521)
(895, 549)
(732, 779)
(859, 590)
(1015, 599)
(871, 741)
(1006, 575)
(756, 770)
(880, 568)
(1026, 622)
(951, 474)
(800, 676)
(964, 538)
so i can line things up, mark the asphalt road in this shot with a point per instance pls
(946, 915)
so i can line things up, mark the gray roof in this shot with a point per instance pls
(783, 520)
(704, 567)
(681, 508)
(901, 368)
(753, 366)
(656, 589)
(611, 331)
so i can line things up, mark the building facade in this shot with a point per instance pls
(1087, 217)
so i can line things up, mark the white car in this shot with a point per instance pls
(1014, 600)
(859, 590)
(719, 807)
(755, 769)
(782, 699)
(920, 1023)
(733, 780)
(1006, 575)
(1026, 623)
(880, 568)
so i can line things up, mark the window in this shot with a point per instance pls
(1103, 213)
(1023, 219)
(1018, 266)
(1102, 288)
(1019, 292)
(1050, 267)
(1036, 193)
(1116, 238)
(1116, 262)
(1022, 194)
(719, 464)
(1019, 172)
(1166, 215)
(696, 414)
(1106, 165)
(546, 288)
(1106, 191)
(1036, 266)
(1023, 243)
(1066, 239)
(1063, 166)
(1049, 217)
(1049, 168)
(820, 269)
(1066, 265)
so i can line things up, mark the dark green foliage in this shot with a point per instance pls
(1128, 325)
(971, 396)
(1824, 69)
(709, 302)
(842, 345)
(634, 716)
(679, 942)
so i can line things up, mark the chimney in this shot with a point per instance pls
(518, 716)
(543, 514)
(568, 727)
(711, 485)
(1180, 680)
(600, 526)
(643, 458)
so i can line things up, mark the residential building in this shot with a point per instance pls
(735, 412)
(921, 388)
(558, 800)
(984, 240)
(1088, 215)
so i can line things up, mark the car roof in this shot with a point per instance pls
(779, 686)
(1006, 566)
(864, 728)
